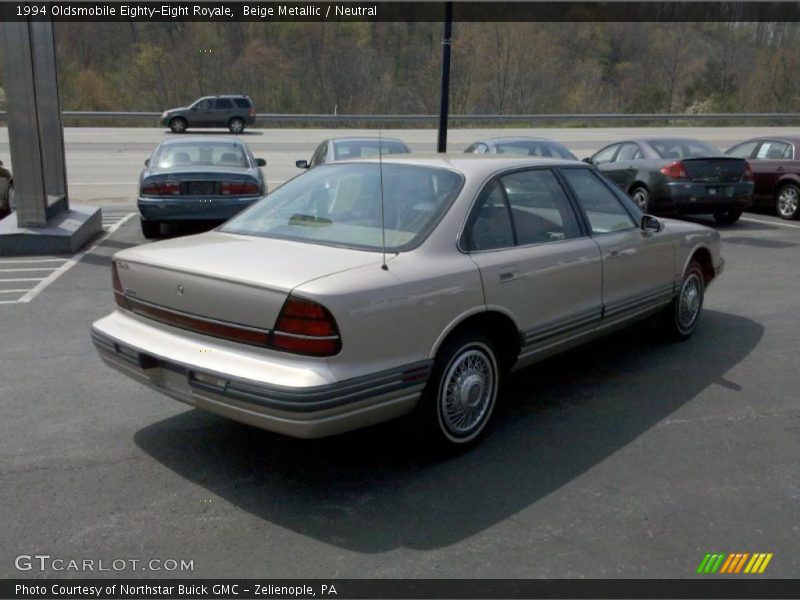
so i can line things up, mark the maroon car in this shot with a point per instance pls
(776, 170)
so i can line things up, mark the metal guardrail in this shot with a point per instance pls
(335, 118)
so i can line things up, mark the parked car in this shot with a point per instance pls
(668, 176)
(521, 146)
(6, 191)
(350, 148)
(310, 314)
(233, 112)
(199, 179)
(776, 172)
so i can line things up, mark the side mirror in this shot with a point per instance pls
(588, 160)
(651, 224)
(1, 163)
(147, 162)
(260, 162)
(301, 164)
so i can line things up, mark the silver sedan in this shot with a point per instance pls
(364, 291)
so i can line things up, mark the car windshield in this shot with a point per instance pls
(366, 149)
(534, 148)
(683, 149)
(340, 205)
(201, 154)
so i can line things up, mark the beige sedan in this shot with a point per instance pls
(305, 316)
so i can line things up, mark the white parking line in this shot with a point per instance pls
(59, 271)
(776, 223)
(30, 260)
(16, 280)
(29, 269)
(13, 291)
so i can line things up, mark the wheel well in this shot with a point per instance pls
(500, 329)
(637, 184)
(235, 118)
(703, 257)
(783, 183)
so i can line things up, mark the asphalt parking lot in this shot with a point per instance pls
(626, 458)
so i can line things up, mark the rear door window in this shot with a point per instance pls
(223, 104)
(774, 150)
(603, 209)
(242, 102)
(490, 224)
(540, 209)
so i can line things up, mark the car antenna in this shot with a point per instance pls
(384, 266)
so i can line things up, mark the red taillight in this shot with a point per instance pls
(306, 327)
(163, 188)
(228, 188)
(149, 189)
(119, 291)
(252, 111)
(748, 172)
(675, 170)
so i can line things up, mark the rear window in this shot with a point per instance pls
(534, 148)
(340, 205)
(201, 154)
(683, 149)
(242, 102)
(366, 149)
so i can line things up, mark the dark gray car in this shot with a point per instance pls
(233, 112)
(205, 179)
(668, 176)
(521, 146)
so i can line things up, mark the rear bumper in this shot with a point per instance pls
(199, 209)
(299, 411)
(702, 198)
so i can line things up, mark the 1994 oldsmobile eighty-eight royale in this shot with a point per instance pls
(287, 318)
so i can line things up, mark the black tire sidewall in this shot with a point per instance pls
(646, 194)
(178, 120)
(777, 195)
(675, 325)
(435, 427)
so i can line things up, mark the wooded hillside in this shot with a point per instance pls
(498, 68)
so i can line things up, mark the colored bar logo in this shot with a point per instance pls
(738, 562)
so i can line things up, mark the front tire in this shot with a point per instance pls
(729, 217)
(681, 317)
(641, 197)
(787, 202)
(150, 229)
(460, 397)
(236, 125)
(178, 125)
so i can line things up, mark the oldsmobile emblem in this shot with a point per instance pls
(180, 290)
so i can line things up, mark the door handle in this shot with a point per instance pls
(780, 169)
(631, 168)
(614, 254)
(508, 275)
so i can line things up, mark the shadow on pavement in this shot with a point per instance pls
(367, 492)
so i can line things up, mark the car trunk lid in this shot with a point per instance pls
(229, 278)
(714, 170)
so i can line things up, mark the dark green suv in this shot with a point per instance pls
(233, 112)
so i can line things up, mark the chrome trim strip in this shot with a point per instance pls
(134, 299)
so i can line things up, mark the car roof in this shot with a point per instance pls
(515, 138)
(473, 165)
(203, 139)
(790, 139)
(366, 138)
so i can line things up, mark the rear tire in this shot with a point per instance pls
(236, 125)
(681, 317)
(178, 125)
(729, 217)
(787, 202)
(460, 396)
(641, 197)
(150, 229)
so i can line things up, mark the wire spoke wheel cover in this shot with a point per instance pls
(640, 197)
(690, 301)
(467, 392)
(788, 202)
